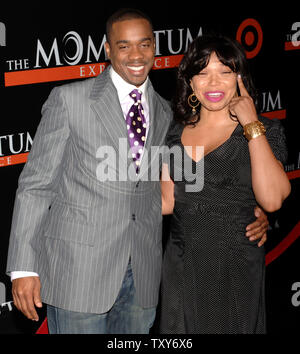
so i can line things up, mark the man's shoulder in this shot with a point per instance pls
(90, 87)
(78, 85)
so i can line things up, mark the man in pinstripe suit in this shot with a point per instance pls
(92, 249)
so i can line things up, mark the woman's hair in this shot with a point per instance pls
(228, 51)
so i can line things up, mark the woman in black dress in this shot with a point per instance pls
(213, 275)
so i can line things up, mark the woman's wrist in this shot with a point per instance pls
(254, 129)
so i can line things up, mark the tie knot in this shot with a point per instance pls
(136, 95)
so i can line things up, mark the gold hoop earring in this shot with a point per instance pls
(193, 102)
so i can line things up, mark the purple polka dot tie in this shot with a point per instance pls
(136, 127)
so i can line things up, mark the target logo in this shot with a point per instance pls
(250, 35)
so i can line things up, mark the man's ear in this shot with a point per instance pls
(107, 49)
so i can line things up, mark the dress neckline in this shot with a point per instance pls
(235, 131)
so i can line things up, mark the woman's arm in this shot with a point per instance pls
(269, 180)
(167, 191)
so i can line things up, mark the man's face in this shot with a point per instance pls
(131, 50)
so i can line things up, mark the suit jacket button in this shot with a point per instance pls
(133, 217)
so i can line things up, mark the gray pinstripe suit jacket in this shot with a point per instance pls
(75, 231)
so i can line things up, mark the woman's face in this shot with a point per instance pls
(215, 85)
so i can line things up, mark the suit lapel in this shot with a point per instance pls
(108, 109)
(109, 112)
(159, 124)
(158, 120)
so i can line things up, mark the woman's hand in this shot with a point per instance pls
(269, 180)
(243, 106)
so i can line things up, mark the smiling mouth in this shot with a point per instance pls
(214, 96)
(136, 68)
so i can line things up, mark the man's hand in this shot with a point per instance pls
(26, 295)
(258, 229)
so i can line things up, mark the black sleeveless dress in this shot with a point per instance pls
(213, 276)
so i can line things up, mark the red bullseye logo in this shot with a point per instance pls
(250, 35)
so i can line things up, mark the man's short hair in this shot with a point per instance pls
(123, 15)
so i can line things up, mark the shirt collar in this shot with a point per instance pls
(123, 87)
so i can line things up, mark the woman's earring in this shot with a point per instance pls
(193, 102)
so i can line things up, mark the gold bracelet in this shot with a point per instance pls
(254, 129)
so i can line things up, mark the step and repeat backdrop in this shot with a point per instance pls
(41, 48)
